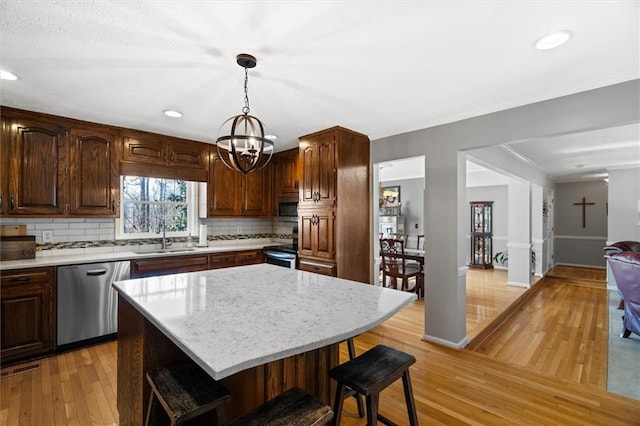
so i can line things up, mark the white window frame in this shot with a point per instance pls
(192, 216)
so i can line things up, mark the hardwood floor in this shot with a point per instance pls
(497, 384)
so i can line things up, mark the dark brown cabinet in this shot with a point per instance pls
(286, 176)
(318, 158)
(56, 167)
(37, 164)
(27, 313)
(481, 234)
(316, 234)
(94, 181)
(141, 268)
(150, 267)
(335, 205)
(147, 154)
(232, 194)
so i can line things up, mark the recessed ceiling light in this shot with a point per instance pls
(553, 40)
(6, 75)
(172, 113)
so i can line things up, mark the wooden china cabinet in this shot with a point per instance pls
(335, 204)
(481, 234)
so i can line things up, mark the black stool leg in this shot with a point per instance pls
(408, 396)
(357, 396)
(372, 409)
(337, 406)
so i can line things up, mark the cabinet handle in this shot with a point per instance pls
(12, 203)
(0, 202)
(19, 279)
(295, 185)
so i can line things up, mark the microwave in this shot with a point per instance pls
(288, 209)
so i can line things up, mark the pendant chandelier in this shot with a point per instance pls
(241, 141)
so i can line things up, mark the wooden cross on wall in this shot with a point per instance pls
(584, 205)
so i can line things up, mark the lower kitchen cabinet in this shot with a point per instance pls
(141, 268)
(28, 313)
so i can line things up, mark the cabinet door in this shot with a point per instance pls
(222, 189)
(27, 313)
(141, 149)
(37, 168)
(94, 188)
(168, 265)
(5, 138)
(286, 173)
(316, 234)
(318, 162)
(254, 192)
(187, 154)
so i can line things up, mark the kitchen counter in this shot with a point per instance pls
(242, 325)
(90, 255)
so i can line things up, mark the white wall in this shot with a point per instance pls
(624, 204)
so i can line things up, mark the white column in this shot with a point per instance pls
(519, 230)
(537, 231)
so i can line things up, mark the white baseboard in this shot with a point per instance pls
(457, 346)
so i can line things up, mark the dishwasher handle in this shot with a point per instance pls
(96, 272)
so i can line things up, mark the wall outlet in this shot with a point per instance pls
(47, 236)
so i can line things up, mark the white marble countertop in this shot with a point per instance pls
(114, 253)
(229, 320)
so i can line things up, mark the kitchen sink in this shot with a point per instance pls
(169, 250)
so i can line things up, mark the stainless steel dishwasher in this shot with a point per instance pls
(87, 304)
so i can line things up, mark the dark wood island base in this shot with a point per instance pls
(141, 347)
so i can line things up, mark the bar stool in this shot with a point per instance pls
(369, 374)
(295, 407)
(185, 391)
(350, 392)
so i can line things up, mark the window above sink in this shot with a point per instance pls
(148, 204)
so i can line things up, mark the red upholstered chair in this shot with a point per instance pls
(626, 270)
(619, 247)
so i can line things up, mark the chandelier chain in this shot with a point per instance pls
(246, 109)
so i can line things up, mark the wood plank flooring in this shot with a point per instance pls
(451, 387)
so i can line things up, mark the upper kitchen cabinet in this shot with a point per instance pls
(57, 167)
(147, 154)
(318, 163)
(334, 211)
(232, 194)
(286, 176)
(94, 188)
(36, 166)
(222, 188)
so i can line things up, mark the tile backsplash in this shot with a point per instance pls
(95, 232)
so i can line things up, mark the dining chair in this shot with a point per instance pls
(420, 238)
(394, 265)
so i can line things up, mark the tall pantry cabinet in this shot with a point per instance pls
(334, 220)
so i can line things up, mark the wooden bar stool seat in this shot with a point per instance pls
(185, 391)
(369, 374)
(295, 407)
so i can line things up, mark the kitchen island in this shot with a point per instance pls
(259, 329)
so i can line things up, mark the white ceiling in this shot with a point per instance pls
(381, 68)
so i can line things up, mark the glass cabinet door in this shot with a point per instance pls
(481, 237)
